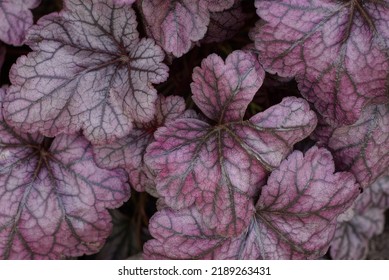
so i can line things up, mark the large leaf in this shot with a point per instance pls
(175, 24)
(363, 148)
(295, 217)
(351, 240)
(89, 70)
(338, 51)
(220, 167)
(53, 197)
(128, 152)
(15, 19)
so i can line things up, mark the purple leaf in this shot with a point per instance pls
(175, 24)
(352, 237)
(337, 50)
(53, 197)
(15, 19)
(299, 206)
(220, 168)
(89, 71)
(224, 25)
(363, 148)
(128, 152)
(224, 90)
(295, 217)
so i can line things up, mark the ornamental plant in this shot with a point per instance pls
(237, 129)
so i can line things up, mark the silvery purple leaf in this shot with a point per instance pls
(219, 168)
(15, 19)
(351, 240)
(363, 148)
(128, 152)
(176, 24)
(88, 71)
(337, 50)
(53, 197)
(295, 217)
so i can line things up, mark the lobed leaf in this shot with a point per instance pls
(53, 199)
(295, 217)
(338, 51)
(15, 19)
(88, 71)
(220, 168)
(351, 240)
(175, 24)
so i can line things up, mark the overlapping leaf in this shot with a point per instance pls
(338, 51)
(363, 148)
(295, 217)
(53, 199)
(220, 167)
(89, 70)
(351, 240)
(128, 152)
(175, 24)
(15, 19)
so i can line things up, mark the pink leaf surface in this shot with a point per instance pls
(53, 199)
(128, 152)
(337, 50)
(15, 19)
(295, 217)
(352, 237)
(175, 24)
(220, 168)
(88, 71)
(363, 148)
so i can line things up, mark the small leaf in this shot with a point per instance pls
(53, 197)
(175, 24)
(220, 168)
(128, 152)
(337, 50)
(15, 19)
(88, 71)
(295, 217)
(351, 240)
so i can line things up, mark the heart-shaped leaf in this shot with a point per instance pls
(89, 70)
(295, 217)
(53, 196)
(337, 49)
(220, 167)
(15, 19)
